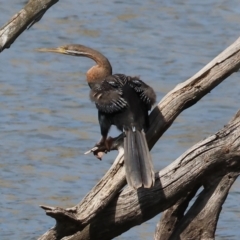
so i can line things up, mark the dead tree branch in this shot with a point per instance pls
(215, 159)
(24, 19)
(173, 215)
(200, 221)
(181, 97)
(215, 156)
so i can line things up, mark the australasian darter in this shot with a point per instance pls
(122, 101)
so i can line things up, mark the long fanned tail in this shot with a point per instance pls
(138, 161)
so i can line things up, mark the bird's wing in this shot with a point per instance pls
(107, 96)
(145, 92)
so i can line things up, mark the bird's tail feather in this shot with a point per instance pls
(138, 161)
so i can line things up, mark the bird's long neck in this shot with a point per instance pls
(95, 74)
(101, 70)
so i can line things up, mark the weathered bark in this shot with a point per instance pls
(216, 158)
(24, 19)
(212, 158)
(181, 97)
(201, 219)
(216, 155)
(173, 215)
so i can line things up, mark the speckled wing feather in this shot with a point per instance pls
(145, 92)
(107, 95)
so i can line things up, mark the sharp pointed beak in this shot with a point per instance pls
(65, 50)
(54, 50)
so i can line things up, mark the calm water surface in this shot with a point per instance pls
(47, 121)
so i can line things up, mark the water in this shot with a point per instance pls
(47, 121)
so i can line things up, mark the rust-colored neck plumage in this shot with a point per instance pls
(101, 70)
(95, 74)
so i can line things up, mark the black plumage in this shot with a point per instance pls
(122, 101)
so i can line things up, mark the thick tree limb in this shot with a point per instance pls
(200, 221)
(215, 155)
(191, 91)
(181, 97)
(24, 19)
(220, 153)
(129, 208)
(172, 216)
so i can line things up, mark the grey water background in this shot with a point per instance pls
(47, 121)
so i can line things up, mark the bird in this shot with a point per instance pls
(125, 102)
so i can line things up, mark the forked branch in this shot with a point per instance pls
(102, 196)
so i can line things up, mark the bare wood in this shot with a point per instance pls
(192, 90)
(107, 190)
(24, 19)
(130, 207)
(201, 220)
(181, 97)
(173, 215)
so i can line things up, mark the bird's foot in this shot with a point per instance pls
(105, 145)
(97, 151)
(101, 148)
(108, 143)
(98, 154)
